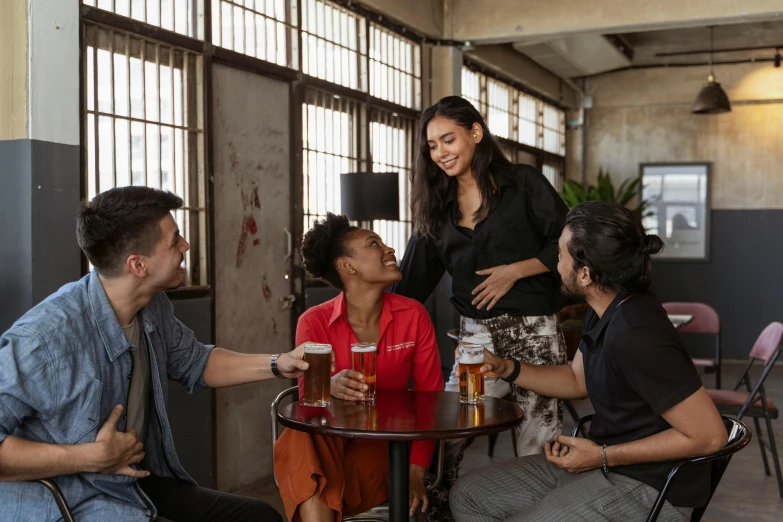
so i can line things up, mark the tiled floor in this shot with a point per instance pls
(745, 493)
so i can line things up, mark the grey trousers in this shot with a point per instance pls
(530, 489)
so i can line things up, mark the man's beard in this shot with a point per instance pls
(571, 289)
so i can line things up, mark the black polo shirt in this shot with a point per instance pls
(635, 369)
(524, 222)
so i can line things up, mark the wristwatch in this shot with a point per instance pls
(275, 369)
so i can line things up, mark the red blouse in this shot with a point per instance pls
(406, 347)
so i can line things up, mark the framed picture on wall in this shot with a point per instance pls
(678, 198)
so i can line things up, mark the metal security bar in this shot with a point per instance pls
(181, 16)
(263, 29)
(334, 44)
(144, 122)
(331, 133)
(395, 68)
(392, 142)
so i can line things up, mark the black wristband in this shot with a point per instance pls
(514, 373)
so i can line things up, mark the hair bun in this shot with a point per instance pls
(318, 243)
(651, 244)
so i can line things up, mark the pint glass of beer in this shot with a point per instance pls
(363, 356)
(317, 378)
(471, 380)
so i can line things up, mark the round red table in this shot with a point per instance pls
(401, 417)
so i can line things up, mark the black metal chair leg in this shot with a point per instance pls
(493, 438)
(514, 441)
(761, 445)
(776, 461)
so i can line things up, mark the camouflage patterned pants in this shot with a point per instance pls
(534, 340)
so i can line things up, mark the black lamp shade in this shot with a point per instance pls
(712, 99)
(367, 196)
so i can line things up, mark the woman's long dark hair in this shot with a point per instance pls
(430, 185)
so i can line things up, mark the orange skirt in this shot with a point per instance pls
(349, 475)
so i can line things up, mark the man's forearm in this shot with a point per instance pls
(25, 460)
(661, 447)
(227, 368)
(558, 382)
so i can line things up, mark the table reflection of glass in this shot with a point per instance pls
(401, 417)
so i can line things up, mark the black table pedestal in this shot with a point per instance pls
(399, 478)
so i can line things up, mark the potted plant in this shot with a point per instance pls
(574, 193)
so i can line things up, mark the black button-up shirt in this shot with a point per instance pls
(635, 369)
(525, 222)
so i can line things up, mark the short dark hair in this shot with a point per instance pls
(323, 245)
(611, 242)
(120, 222)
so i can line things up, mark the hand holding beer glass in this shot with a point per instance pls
(317, 378)
(471, 380)
(363, 357)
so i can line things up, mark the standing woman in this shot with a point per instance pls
(494, 227)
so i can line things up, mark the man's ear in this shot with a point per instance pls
(136, 265)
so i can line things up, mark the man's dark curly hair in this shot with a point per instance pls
(324, 244)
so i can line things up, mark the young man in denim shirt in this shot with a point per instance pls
(83, 379)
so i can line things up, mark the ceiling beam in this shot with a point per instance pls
(502, 21)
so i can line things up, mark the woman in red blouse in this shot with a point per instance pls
(323, 478)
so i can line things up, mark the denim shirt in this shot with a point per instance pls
(63, 367)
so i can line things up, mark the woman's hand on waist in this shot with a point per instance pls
(348, 385)
(499, 281)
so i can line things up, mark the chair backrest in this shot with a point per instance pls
(768, 342)
(705, 318)
(739, 437)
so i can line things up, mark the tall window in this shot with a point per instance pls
(334, 44)
(264, 29)
(343, 47)
(144, 126)
(527, 125)
(180, 16)
(392, 138)
(395, 68)
(330, 147)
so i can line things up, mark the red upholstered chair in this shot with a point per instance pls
(753, 401)
(705, 321)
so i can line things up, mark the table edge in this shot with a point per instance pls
(457, 433)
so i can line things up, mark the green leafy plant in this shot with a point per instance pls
(574, 193)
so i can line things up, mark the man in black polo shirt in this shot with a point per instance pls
(650, 406)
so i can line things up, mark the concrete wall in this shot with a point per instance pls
(644, 116)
